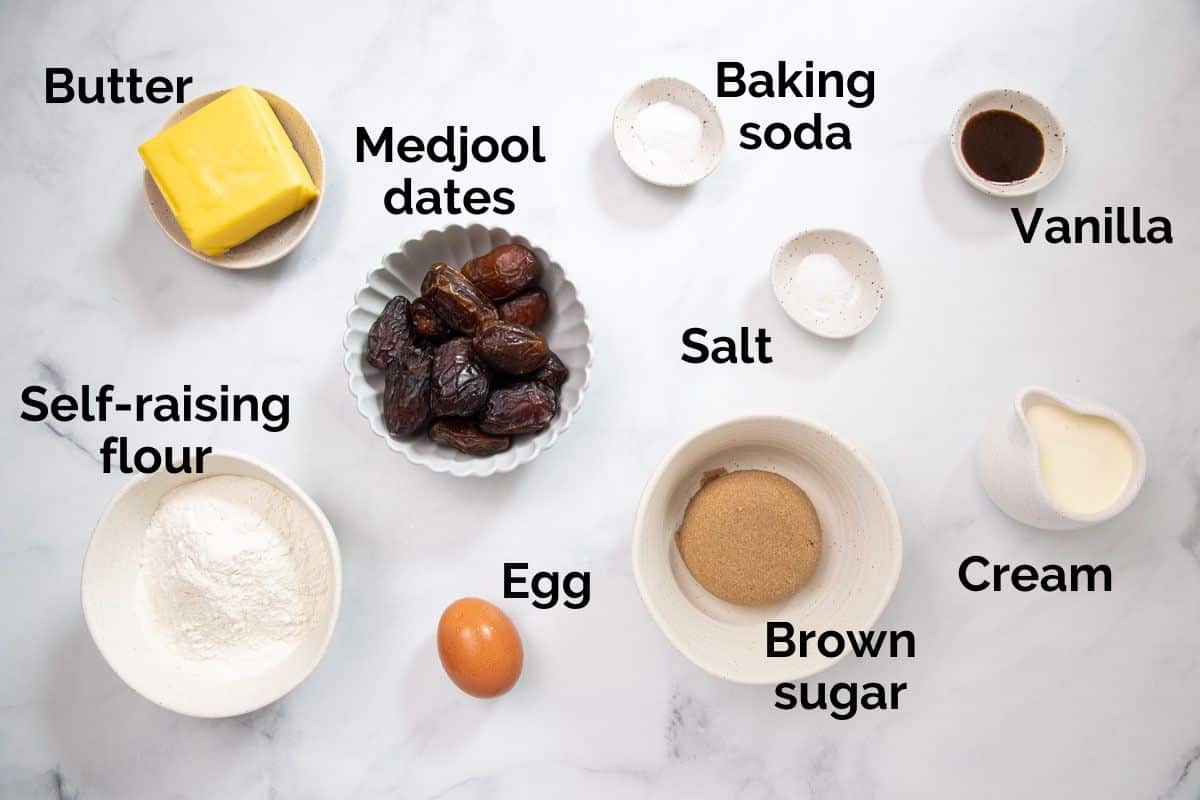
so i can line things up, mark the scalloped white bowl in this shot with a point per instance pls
(565, 328)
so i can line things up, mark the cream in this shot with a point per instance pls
(1087, 461)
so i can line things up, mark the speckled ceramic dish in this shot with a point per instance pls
(834, 309)
(861, 547)
(565, 328)
(1032, 109)
(644, 161)
(281, 238)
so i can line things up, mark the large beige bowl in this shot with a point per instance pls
(860, 556)
(109, 593)
(281, 238)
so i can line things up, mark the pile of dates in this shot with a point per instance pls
(463, 361)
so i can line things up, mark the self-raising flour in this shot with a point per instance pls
(233, 570)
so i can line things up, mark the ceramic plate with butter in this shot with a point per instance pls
(277, 240)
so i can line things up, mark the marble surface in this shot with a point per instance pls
(1011, 695)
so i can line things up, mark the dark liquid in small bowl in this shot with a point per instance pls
(1002, 147)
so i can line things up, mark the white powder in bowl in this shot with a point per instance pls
(669, 132)
(824, 284)
(233, 570)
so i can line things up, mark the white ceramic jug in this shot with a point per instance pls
(1010, 465)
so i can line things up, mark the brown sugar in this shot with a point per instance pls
(750, 537)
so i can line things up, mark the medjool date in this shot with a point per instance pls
(389, 333)
(510, 347)
(503, 271)
(407, 401)
(553, 373)
(524, 407)
(467, 437)
(455, 299)
(526, 308)
(426, 322)
(461, 380)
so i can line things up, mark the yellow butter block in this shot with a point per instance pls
(228, 171)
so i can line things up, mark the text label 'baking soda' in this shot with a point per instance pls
(857, 88)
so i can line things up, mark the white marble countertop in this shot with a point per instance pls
(1011, 695)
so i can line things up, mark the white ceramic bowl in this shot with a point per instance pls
(831, 308)
(565, 328)
(110, 608)
(860, 557)
(1030, 108)
(272, 244)
(643, 160)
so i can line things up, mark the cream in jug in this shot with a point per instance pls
(1059, 463)
(1086, 460)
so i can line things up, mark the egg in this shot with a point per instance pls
(479, 647)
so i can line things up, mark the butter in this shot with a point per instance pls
(228, 171)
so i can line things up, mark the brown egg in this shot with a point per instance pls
(479, 647)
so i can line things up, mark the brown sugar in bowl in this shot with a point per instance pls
(750, 537)
(860, 556)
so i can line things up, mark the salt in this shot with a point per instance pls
(824, 284)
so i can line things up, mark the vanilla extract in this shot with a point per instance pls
(1118, 225)
(1002, 147)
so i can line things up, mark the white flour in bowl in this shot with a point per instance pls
(233, 570)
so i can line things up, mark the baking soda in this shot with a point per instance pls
(669, 132)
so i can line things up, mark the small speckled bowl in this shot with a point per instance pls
(861, 547)
(1032, 109)
(642, 160)
(835, 316)
(281, 238)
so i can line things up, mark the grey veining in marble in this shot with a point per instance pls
(1011, 695)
